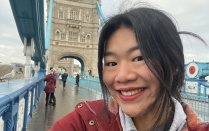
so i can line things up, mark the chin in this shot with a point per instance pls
(131, 113)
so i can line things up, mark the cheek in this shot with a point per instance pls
(107, 78)
(150, 77)
(154, 83)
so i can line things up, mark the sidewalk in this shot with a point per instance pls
(44, 117)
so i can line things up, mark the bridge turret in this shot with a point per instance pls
(195, 82)
(197, 70)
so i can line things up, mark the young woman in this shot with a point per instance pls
(141, 69)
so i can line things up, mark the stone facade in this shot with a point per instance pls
(74, 34)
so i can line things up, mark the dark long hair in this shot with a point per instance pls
(161, 49)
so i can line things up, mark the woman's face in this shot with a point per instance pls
(126, 75)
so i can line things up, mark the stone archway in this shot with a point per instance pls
(70, 63)
(78, 36)
(85, 61)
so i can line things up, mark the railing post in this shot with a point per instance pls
(36, 95)
(7, 117)
(199, 89)
(38, 89)
(205, 91)
(31, 103)
(10, 117)
(8, 125)
(25, 120)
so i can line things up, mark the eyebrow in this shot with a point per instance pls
(109, 53)
(132, 49)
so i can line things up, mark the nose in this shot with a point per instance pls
(125, 73)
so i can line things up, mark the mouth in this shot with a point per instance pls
(131, 94)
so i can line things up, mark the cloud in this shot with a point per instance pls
(190, 16)
(2, 55)
(5, 47)
(194, 49)
(10, 43)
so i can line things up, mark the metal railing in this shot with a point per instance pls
(18, 99)
(91, 83)
(197, 87)
(199, 104)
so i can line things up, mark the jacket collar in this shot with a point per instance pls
(177, 124)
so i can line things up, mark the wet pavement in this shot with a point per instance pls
(44, 117)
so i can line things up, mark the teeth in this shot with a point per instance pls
(133, 92)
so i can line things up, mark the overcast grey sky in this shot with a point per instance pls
(190, 15)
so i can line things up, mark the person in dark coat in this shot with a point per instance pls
(77, 79)
(50, 87)
(64, 78)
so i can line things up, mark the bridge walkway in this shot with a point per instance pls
(44, 117)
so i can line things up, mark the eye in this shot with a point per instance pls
(138, 58)
(111, 64)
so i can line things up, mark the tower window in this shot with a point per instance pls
(61, 15)
(63, 36)
(74, 15)
(73, 36)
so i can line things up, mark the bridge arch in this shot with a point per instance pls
(80, 57)
(80, 38)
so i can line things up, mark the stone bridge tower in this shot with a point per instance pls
(74, 34)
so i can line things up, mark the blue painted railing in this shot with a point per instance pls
(18, 96)
(91, 83)
(199, 103)
(196, 87)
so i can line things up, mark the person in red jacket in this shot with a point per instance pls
(50, 87)
(141, 70)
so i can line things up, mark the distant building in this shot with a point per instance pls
(19, 68)
(4, 70)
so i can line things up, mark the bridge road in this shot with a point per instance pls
(44, 117)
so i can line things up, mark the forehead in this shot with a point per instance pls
(121, 38)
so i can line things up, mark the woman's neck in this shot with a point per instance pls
(145, 122)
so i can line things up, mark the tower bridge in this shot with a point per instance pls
(72, 33)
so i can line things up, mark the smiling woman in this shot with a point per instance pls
(126, 75)
(141, 71)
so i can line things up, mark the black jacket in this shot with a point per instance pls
(64, 76)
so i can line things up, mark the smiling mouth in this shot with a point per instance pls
(133, 92)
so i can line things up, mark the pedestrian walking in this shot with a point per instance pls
(50, 87)
(56, 75)
(77, 79)
(64, 78)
